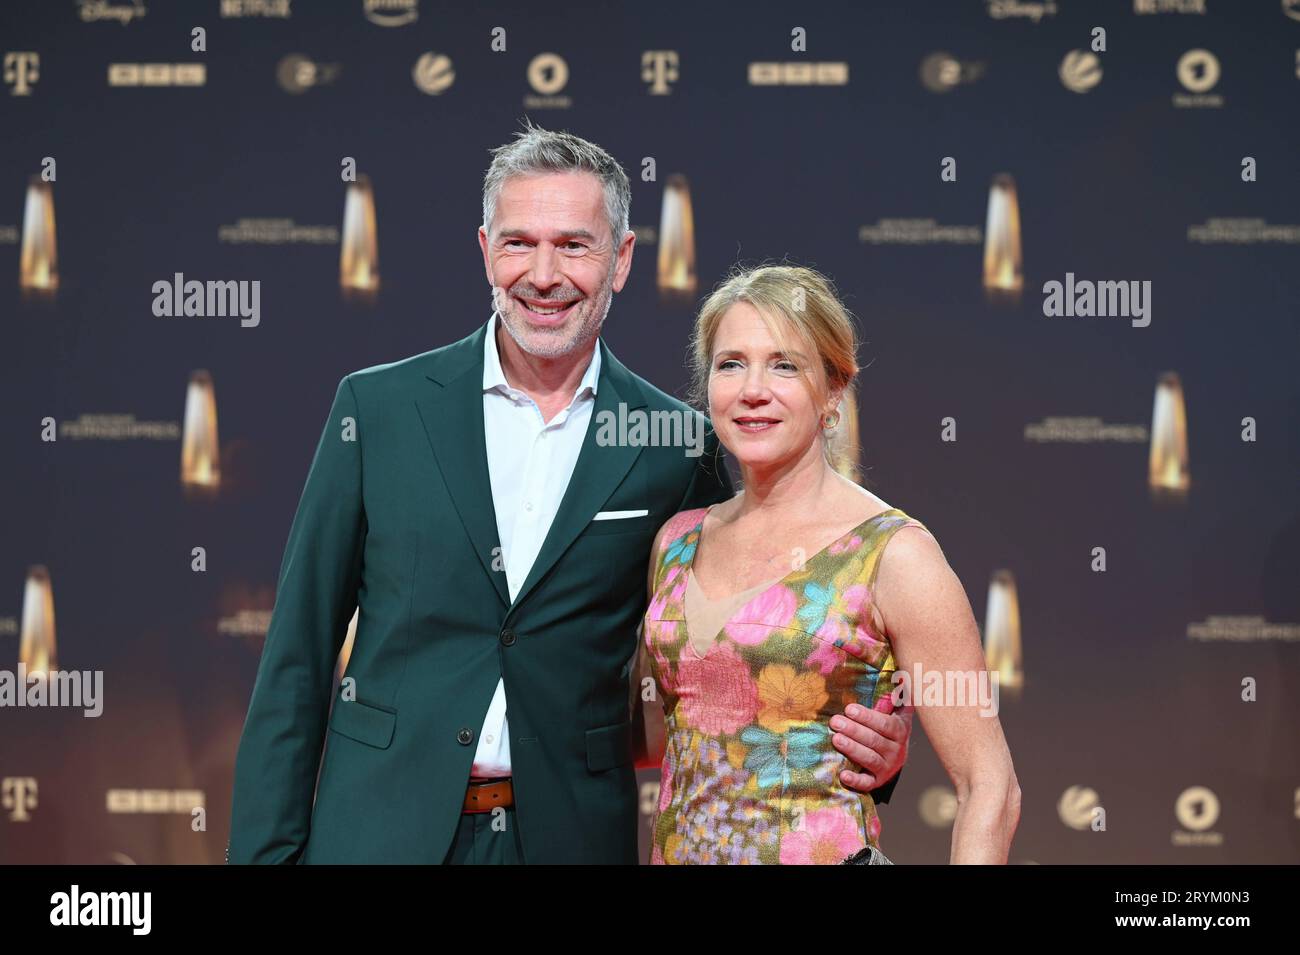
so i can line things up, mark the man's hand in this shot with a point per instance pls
(875, 741)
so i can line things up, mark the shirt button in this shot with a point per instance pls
(528, 506)
(489, 738)
(464, 736)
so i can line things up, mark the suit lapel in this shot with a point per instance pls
(451, 408)
(598, 471)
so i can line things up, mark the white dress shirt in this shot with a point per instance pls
(530, 462)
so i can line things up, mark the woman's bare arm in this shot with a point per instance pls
(930, 624)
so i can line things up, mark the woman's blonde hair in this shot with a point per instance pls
(796, 304)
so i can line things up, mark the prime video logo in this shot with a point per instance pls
(1104, 299)
(638, 428)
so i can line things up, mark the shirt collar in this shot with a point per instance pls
(494, 378)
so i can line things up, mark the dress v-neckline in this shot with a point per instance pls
(707, 611)
(753, 592)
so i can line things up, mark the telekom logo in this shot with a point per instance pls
(21, 71)
(18, 795)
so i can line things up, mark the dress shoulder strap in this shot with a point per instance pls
(882, 532)
(677, 541)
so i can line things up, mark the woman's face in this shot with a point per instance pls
(759, 400)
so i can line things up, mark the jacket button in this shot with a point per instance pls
(508, 637)
(464, 736)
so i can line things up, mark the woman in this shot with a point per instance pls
(772, 611)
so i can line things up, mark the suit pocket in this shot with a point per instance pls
(630, 508)
(622, 525)
(609, 746)
(363, 722)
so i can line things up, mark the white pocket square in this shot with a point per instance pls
(619, 515)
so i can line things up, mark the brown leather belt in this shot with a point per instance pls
(485, 795)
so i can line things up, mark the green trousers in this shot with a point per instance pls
(477, 842)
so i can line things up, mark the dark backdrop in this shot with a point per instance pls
(1118, 698)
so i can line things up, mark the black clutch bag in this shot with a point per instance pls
(868, 856)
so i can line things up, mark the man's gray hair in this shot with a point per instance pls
(536, 150)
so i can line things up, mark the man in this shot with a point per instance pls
(497, 553)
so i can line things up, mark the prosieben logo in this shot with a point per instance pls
(102, 908)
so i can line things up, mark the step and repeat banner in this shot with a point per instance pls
(1069, 232)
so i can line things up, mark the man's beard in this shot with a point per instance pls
(583, 325)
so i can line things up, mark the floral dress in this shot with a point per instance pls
(749, 772)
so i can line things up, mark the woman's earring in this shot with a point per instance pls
(830, 420)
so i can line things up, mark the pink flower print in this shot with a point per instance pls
(873, 828)
(824, 658)
(840, 546)
(660, 632)
(661, 669)
(718, 693)
(769, 610)
(870, 648)
(678, 594)
(827, 837)
(679, 524)
(886, 703)
(658, 605)
(845, 606)
(668, 595)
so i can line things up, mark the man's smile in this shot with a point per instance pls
(544, 312)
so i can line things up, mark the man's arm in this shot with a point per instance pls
(280, 748)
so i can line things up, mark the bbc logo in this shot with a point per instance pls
(799, 74)
(154, 800)
(157, 74)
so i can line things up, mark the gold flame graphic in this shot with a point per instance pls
(36, 648)
(359, 255)
(677, 279)
(38, 267)
(1003, 271)
(1169, 474)
(200, 450)
(1002, 631)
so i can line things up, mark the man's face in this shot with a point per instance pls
(550, 248)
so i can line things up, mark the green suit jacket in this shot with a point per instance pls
(399, 522)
